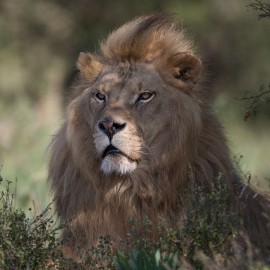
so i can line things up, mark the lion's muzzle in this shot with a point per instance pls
(118, 145)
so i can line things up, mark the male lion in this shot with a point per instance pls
(139, 132)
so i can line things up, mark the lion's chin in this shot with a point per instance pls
(118, 163)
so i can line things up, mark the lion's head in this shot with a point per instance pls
(137, 104)
(138, 131)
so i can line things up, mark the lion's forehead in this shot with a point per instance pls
(111, 78)
(127, 78)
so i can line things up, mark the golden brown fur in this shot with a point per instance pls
(145, 83)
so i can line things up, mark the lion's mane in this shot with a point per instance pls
(191, 150)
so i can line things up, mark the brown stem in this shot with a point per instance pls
(251, 97)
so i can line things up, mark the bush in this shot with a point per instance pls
(206, 239)
(25, 243)
(208, 231)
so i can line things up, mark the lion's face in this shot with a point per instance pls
(124, 104)
(133, 118)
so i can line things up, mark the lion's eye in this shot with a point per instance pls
(146, 96)
(99, 96)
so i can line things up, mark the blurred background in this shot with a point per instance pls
(40, 42)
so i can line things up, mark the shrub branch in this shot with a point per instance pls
(262, 7)
(252, 97)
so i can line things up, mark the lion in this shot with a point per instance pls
(138, 125)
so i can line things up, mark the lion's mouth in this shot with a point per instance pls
(114, 160)
(111, 150)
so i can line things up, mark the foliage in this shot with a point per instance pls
(262, 7)
(141, 260)
(25, 243)
(254, 102)
(210, 228)
(207, 236)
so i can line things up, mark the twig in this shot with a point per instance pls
(251, 97)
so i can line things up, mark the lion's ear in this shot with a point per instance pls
(88, 66)
(185, 67)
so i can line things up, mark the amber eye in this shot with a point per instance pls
(146, 96)
(99, 96)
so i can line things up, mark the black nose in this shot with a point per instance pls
(110, 127)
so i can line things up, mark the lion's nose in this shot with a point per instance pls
(109, 127)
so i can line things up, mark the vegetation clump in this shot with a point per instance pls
(206, 239)
(25, 243)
